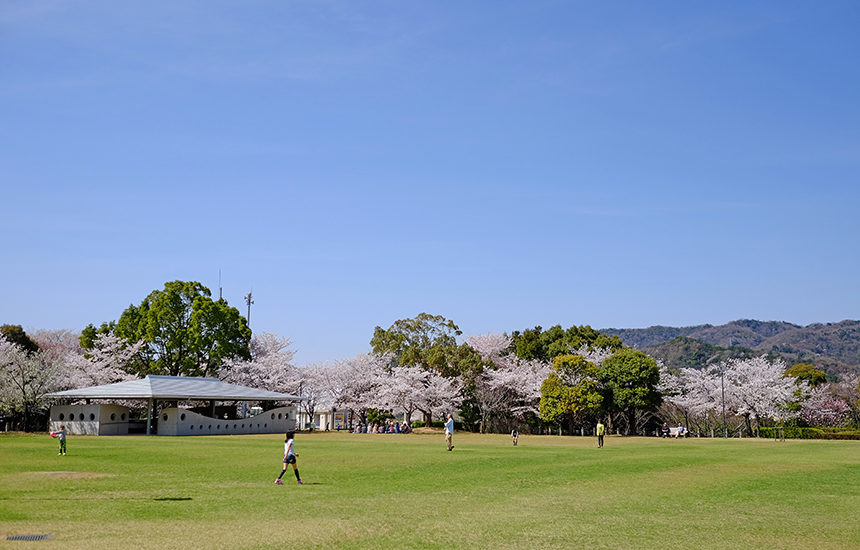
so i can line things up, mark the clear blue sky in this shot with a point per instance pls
(504, 164)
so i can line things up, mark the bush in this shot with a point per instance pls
(793, 432)
(436, 424)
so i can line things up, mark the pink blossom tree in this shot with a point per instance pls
(269, 368)
(440, 395)
(756, 388)
(822, 408)
(507, 383)
(106, 363)
(353, 383)
(312, 389)
(25, 377)
(848, 389)
(696, 394)
(403, 389)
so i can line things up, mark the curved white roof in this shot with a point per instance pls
(180, 388)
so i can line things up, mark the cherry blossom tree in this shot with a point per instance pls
(822, 408)
(594, 355)
(756, 388)
(269, 368)
(507, 384)
(490, 346)
(25, 376)
(312, 390)
(403, 389)
(441, 394)
(353, 383)
(60, 364)
(848, 389)
(58, 342)
(693, 393)
(107, 362)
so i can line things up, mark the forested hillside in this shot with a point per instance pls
(834, 347)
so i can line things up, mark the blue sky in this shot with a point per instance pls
(504, 164)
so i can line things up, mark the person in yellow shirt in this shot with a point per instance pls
(600, 431)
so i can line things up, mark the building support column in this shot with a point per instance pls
(149, 417)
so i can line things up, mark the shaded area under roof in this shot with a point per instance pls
(180, 388)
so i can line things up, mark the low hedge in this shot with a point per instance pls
(793, 432)
(437, 424)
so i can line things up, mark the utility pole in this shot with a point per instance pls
(723, 386)
(249, 299)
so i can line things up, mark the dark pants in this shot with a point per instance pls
(600, 441)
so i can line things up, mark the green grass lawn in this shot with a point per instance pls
(407, 491)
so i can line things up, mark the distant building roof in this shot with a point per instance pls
(180, 388)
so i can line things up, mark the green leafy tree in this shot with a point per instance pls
(804, 371)
(546, 345)
(629, 379)
(16, 335)
(430, 342)
(571, 392)
(185, 331)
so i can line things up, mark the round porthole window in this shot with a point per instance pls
(243, 426)
(113, 416)
(182, 416)
(265, 425)
(210, 426)
(201, 426)
(164, 417)
(192, 427)
(218, 427)
(273, 416)
(122, 416)
(92, 416)
(62, 416)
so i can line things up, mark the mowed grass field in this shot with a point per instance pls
(407, 491)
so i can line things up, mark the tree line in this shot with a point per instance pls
(545, 381)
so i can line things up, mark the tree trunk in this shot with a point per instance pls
(428, 419)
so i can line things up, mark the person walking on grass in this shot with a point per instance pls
(289, 458)
(515, 436)
(600, 431)
(449, 432)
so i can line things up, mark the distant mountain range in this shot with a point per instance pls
(833, 347)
